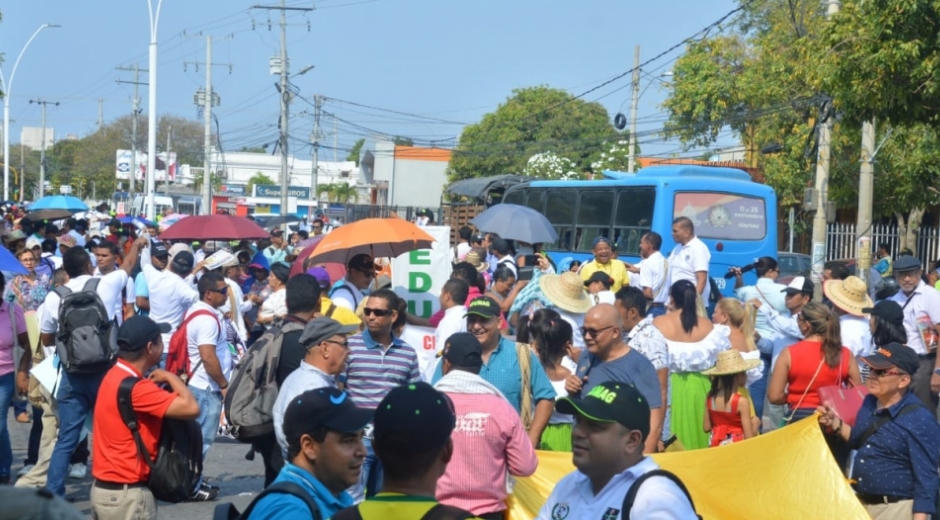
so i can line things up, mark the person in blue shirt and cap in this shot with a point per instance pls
(324, 447)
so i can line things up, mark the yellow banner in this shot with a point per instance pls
(788, 473)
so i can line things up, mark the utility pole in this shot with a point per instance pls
(22, 172)
(135, 111)
(100, 113)
(207, 98)
(866, 186)
(166, 184)
(631, 167)
(315, 139)
(285, 98)
(824, 147)
(335, 140)
(42, 145)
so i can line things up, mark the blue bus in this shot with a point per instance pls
(735, 216)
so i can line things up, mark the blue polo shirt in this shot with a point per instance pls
(502, 371)
(900, 459)
(279, 506)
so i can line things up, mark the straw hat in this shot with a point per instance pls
(731, 362)
(566, 291)
(473, 258)
(850, 295)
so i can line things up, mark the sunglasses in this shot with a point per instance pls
(344, 344)
(879, 373)
(223, 291)
(368, 272)
(593, 332)
(381, 313)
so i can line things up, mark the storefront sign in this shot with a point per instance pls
(273, 190)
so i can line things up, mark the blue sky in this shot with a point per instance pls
(449, 60)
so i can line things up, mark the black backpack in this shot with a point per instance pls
(630, 497)
(438, 512)
(86, 341)
(227, 511)
(177, 467)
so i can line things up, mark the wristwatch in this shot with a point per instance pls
(936, 371)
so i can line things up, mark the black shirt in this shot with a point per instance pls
(292, 353)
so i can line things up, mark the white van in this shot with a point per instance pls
(142, 203)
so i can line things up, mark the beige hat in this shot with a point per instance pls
(731, 362)
(850, 295)
(566, 291)
(473, 258)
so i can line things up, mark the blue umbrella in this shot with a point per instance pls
(129, 220)
(515, 222)
(65, 202)
(9, 263)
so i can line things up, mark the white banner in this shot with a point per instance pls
(422, 340)
(418, 276)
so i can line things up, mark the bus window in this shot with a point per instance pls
(559, 208)
(517, 197)
(723, 216)
(633, 218)
(535, 199)
(593, 217)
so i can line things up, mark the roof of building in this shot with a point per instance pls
(416, 153)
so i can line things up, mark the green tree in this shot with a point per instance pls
(533, 120)
(344, 193)
(327, 190)
(257, 179)
(356, 150)
(403, 141)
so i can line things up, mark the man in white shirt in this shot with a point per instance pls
(610, 428)
(503, 254)
(325, 342)
(689, 259)
(654, 273)
(76, 393)
(209, 357)
(453, 294)
(463, 244)
(107, 254)
(171, 290)
(347, 293)
(921, 306)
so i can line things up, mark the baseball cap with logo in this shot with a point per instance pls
(800, 284)
(611, 402)
(158, 249)
(328, 407)
(894, 355)
(483, 306)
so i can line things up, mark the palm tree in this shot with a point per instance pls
(345, 193)
(256, 179)
(325, 189)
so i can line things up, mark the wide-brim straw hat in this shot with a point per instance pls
(566, 291)
(731, 362)
(473, 258)
(850, 295)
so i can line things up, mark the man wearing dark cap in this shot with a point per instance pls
(413, 427)
(323, 429)
(171, 291)
(921, 304)
(120, 489)
(159, 258)
(605, 261)
(324, 342)
(897, 438)
(278, 250)
(347, 293)
(611, 424)
(489, 439)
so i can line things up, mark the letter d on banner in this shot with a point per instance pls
(419, 282)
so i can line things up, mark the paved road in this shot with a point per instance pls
(225, 467)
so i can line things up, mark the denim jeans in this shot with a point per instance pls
(656, 311)
(758, 390)
(210, 410)
(76, 397)
(6, 396)
(370, 480)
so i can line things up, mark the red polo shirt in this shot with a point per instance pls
(114, 449)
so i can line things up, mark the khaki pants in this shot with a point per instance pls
(134, 502)
(902, 510)
(50, 431)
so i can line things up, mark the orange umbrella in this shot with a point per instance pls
(377, 237)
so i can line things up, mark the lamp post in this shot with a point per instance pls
(7, 86)
(152, 112)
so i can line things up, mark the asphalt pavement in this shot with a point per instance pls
(225, 466)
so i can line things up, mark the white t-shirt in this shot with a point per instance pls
(452, 323)
(686, 260)
(924, 301)
(856, 335)
(129, 295)
(275, 306)
(653, 274)
(347, 296)
(560, 391)
(170, 297)
(462, 249)
(109, 290)
(207, 330)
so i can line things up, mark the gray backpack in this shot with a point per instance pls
(249, 403)
(86, 341)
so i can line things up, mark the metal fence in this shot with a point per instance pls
(356, 212)
(842, 241)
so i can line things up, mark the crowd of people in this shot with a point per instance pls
(604, 359)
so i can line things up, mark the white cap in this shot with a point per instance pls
(800, 284)
(32, 242)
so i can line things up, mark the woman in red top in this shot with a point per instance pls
(817, 361)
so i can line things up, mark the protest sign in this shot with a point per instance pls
(419, 275)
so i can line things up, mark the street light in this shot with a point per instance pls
(7, 86)
(152, 115)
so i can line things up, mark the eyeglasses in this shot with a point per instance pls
(594, 332)
(879, 373)
(344, 344)
(223, 291)
(381, 313)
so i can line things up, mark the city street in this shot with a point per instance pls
(226, 467)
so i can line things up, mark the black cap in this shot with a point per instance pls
(500, 244)
(184, 261)
(361, 261)
(906, 263)
(413, 419)
(136, 332)
(483, 306)
(600, 276)
(611, 402)
(463, 350)
(329, 407)
(319, 329)
(115, 222)
(894, 355)
(158, 249)
(276, 232)
(887, 310)
(800, 284)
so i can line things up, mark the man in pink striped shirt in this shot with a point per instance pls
(489, 439)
